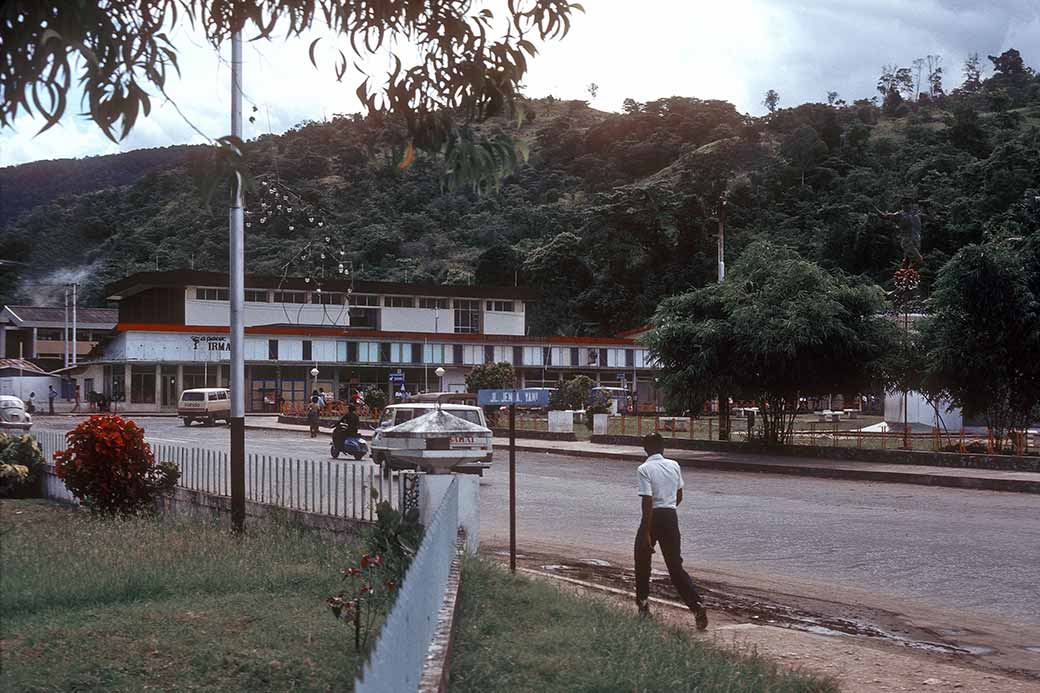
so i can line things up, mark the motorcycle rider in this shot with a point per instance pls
(346, 427)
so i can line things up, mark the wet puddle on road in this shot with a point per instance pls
(751, 607)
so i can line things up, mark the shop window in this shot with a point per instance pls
(257, 296)
(142, 384)
(308, 350)
(500, 306)
(399, 301)
(433, 303)
(290, 296)
(467, 316)
(272, 349)
(211, 294)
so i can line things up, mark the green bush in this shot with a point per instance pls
(20, 460)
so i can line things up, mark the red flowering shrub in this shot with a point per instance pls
(110, 468)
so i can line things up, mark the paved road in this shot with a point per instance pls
(970, 551)
(973, 551)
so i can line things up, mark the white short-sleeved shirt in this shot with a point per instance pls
(660, 478)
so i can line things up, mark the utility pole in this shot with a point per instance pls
(723, 396)
(236, 294)
(65, 333)
(75, 299)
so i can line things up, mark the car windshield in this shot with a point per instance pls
(466, 415)
(193, 396)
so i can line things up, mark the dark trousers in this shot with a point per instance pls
(664, 532)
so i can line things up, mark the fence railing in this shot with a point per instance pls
(396, 661)
(345, 489)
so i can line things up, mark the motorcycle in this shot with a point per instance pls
(353, 446)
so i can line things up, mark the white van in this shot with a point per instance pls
(205, 404)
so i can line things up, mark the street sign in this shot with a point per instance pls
(621, 377)
(397, 377)
(535, 398)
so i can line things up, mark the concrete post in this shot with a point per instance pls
(127, 375)
(158, 387)
(3, 341)
(32, 355)
(180, 381)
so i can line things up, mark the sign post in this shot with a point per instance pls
(533, 399)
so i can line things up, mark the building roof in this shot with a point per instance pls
(46, 316)
(21, 365)
(142, 281)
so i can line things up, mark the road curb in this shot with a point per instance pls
(944, 480)
(839, 473)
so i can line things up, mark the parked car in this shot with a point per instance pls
(470, 444)
(13, 415)
(206, 404)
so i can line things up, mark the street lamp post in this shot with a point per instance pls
(236, 296)
(440, 375)
(314, 375)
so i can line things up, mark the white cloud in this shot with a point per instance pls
(732, 50)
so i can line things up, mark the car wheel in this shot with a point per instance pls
(334, 452)
(187, 421)
(211, 421)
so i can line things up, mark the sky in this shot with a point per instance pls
(733, 50)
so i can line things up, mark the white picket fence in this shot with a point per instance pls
(396, 661)
(345, 489)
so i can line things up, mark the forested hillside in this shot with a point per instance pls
(611, 213)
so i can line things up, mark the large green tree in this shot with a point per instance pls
(982, 338)
(778, 327)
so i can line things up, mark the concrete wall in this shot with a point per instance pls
(431, 491)
(21, 387)
(920, 411)
(218, 313)
(503, 323)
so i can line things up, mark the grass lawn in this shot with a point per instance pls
(519, 634)
(131, 605)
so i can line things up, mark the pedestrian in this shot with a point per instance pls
(324, 399)
(30, 405)
(51, 394)
(75, 398)
(660, 491)
(314, 413)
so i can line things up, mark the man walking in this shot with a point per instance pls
(51, 394)
(661, 490)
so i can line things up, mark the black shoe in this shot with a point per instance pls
(644, 608)
(700, 616)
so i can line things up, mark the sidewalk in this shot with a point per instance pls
(953, 477)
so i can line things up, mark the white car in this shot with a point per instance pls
(471, 444)
(206, 404)
(13, 414)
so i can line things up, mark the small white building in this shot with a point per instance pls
(20, 378)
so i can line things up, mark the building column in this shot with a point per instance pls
(33, 350)
(335, 382)
(127, 399)
(3, 341)
(180, 381)
(158, 387)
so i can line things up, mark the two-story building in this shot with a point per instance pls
(43, 335)
(172, 334)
